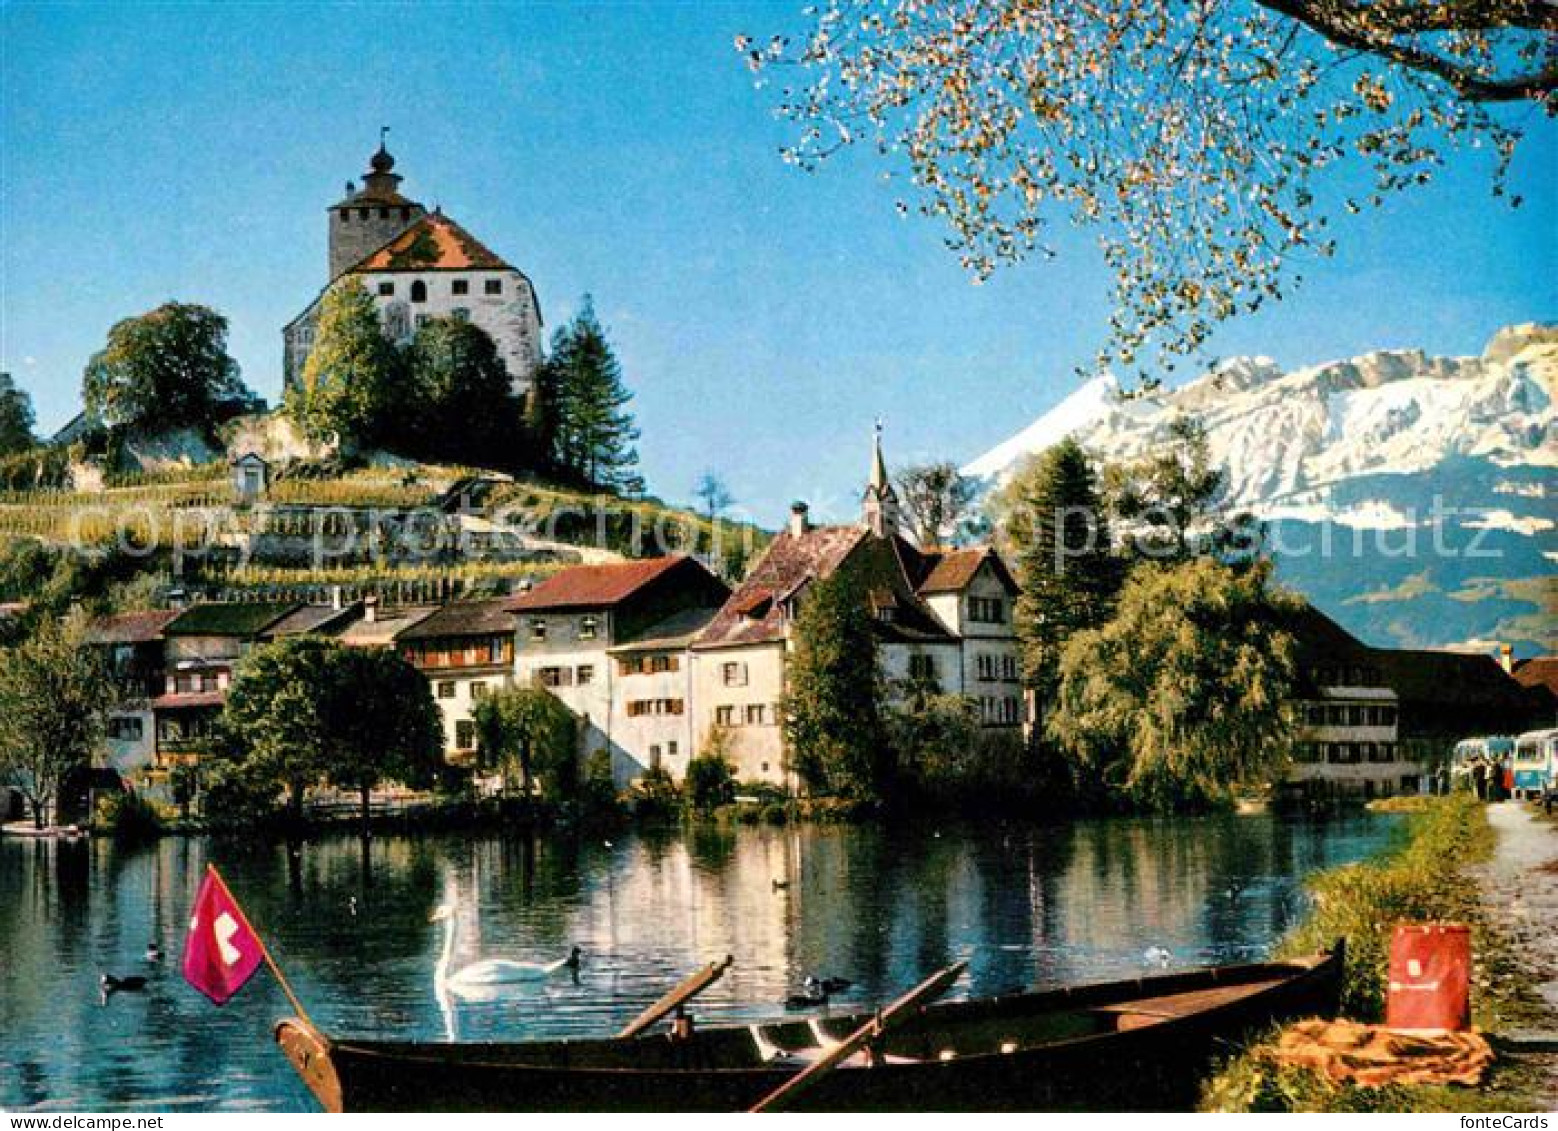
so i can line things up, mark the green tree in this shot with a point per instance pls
(1208, 146)
(353, 381)
(167, 368)
(54, 693)
(710, 490)
(526, 731)
(833, 714)
(16, 418)
(1184, 695)
(380, 723)
(275, 718)
(1170, 503)
(937, 502)
(594, 432)
(460, 406)
(1067, 573)
(711, 776)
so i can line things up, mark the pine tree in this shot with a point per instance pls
(594, 432)
(1066, 570)
(350, 385)
(16, 418)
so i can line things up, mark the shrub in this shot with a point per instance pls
(708, 781)
(655, 795)
(129, 817)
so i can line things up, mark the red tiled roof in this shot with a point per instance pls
(189, 699)
(753, 615)
(594, 586)
(464, 618)
(951, 571)
(433, 243)
(130, 628)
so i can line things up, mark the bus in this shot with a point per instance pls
(1536, 765)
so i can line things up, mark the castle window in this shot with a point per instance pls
(405, 213)
(346, 214)
(386, 288)
(419, 291)
(384, 214)
(364, 213)
(460, 287)
(493, 287)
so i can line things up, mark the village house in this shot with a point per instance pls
(943, 621)
(466, 651)
(611, 641)
(132, 647)
(419, 265)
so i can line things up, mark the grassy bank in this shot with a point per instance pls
(1430, 874)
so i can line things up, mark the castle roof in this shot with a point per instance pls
(433, 243)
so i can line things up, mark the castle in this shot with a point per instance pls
(419, 265)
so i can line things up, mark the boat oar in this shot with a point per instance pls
(689, 988)
(895, 1014)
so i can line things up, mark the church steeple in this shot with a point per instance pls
(879, 509)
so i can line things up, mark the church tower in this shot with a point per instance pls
(879, 511)
(368, 218)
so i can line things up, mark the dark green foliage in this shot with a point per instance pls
(1185, 694)
(1066, 569)
(129, 817)
(16, 418)
(597, 789)
(655, 795)
(307, 709)
(937, 502)
(459, 406)
(54, 694)
(947, 759)
(833, 716)
(709, 781)
(35, 469)
(526, 732)
(1170, 504)
(592, 432)
(354, 381)
(167, 368)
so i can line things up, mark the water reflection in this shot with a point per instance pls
(878, 906)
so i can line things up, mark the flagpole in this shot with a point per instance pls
(286, 986)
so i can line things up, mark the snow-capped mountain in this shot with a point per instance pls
(1439, 473)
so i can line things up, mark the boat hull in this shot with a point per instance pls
(1137, 1045)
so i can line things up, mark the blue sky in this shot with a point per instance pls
(765, 317)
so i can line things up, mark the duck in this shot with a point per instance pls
(829, 986)
(153, 952)
(490, 971)
(110, 984)
(808, 999)
(1157, 955)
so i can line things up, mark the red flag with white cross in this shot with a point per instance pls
(222, 952)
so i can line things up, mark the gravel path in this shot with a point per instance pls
(1521, 891)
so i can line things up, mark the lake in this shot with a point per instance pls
(882, 907)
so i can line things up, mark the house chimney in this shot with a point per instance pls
(370, 608)
(799, 522)
(1506, 658)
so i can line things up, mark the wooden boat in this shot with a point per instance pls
(1134, 1045)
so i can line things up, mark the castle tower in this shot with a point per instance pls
(368, 218)
(879, 511)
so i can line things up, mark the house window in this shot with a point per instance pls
(631, 665)
(478, 689)
(923, 667)
(386, 288)
(887, 614)
(419, 291)
(461, 314)
(585, 674)
(654, 757)
(125, 729)
(460, 287)
(670, 749)
(587, 628)
(734, 674)
(725, 716)
(538, 629)
(422, 320)
(555, 677)
(464, 734)
(986, 610)
(664, 664)
(756, 714)
(493, 287)
(446, 689)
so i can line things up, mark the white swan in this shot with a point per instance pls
(491, 971)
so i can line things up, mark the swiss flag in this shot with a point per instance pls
(222, 952)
